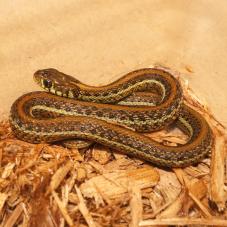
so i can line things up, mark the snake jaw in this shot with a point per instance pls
(51, 80)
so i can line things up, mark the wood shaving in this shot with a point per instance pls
(60, 175)
(115, 184)
(101, 154)
(12, 220)
(217, 192)
(3, 198)
(174, 208)
(62, 209)
(136, 205)
(185, 222)
(83, 209)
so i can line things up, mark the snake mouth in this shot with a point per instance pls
(37, 78)
(55, 82)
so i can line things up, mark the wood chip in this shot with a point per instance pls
(81, 174)
(189, 68)
(11, 221)
(196, 190)
(101, 154)
(217, 193)
(136, 205)
(62, 209)
(3, 197)
(1, 156)
(8, 169)
(32, 162)
(60, 175)
(83, 209)
(204, 210)
(115, 184)
(175, 207)
(185, 221)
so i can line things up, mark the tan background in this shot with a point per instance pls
(100, 40)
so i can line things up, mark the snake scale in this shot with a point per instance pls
(101, 114)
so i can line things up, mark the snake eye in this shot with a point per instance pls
(47, 83)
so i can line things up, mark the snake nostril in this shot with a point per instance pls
(44, 73)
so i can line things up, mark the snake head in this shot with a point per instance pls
(57, 82)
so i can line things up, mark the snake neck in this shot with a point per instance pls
(150, 80)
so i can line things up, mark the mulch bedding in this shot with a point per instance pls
(49, 185)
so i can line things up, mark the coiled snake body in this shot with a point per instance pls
(76, 110)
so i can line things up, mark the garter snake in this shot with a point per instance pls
(77, 110)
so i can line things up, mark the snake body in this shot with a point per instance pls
(76, 110)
